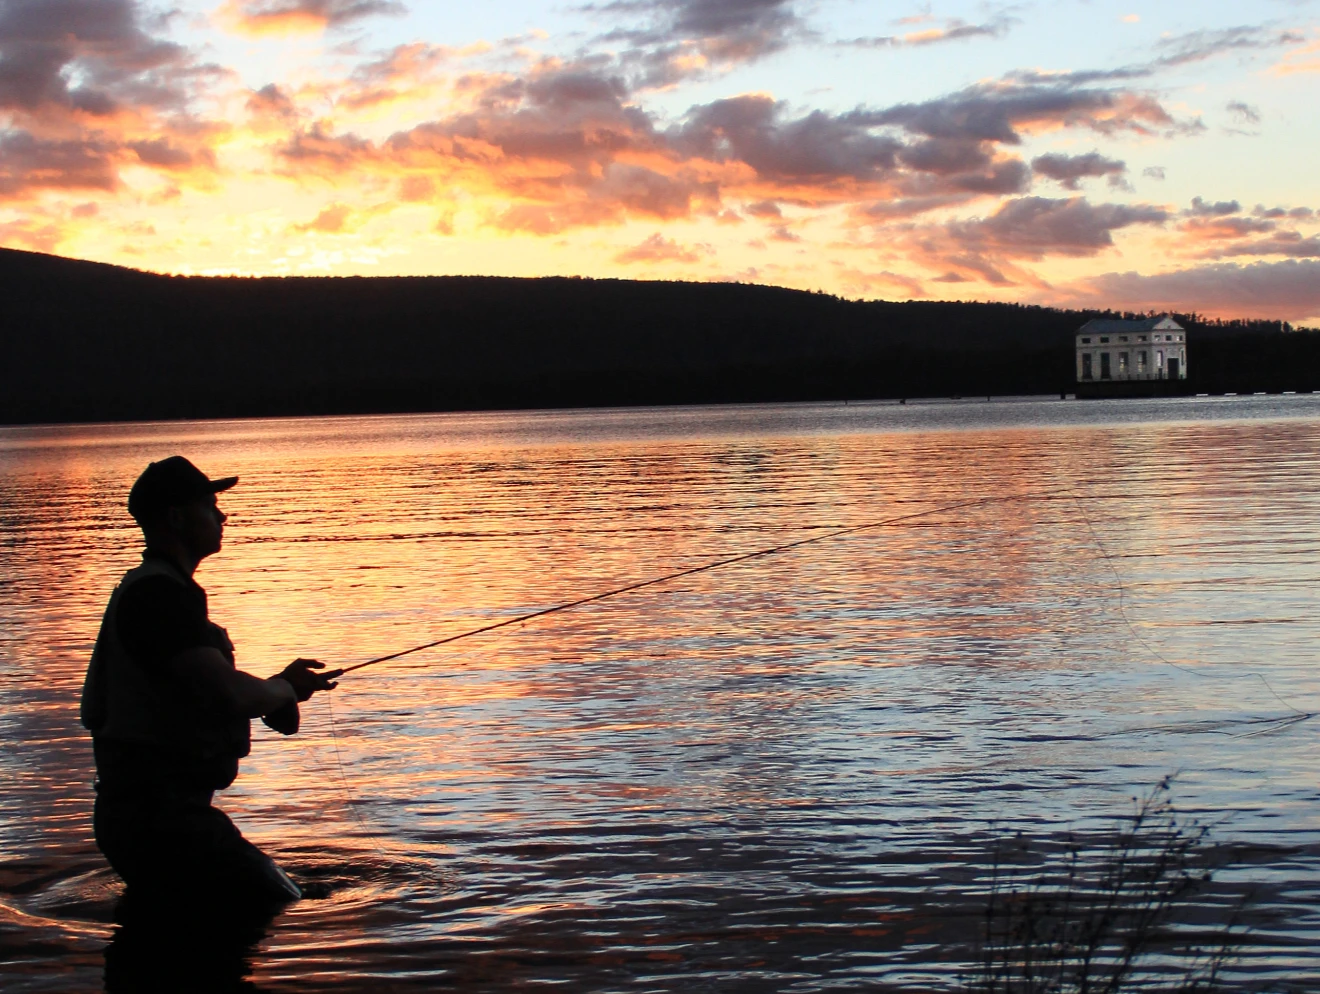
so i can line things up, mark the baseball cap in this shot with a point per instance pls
(168, 483)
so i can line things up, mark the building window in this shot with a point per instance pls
(1104, 366)
(1086, 366)
(1159, 358)
(1104, 340)
(1086, 341)
(1141, 338)
(1122, 364)
(1122, 338)
(1142, 359)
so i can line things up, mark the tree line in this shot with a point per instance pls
(89, 342)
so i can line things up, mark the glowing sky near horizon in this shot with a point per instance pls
(1128, 155)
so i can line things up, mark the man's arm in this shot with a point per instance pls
(241, 694)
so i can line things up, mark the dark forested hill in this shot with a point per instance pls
(85, 341)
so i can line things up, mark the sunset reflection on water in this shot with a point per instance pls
(800, 762)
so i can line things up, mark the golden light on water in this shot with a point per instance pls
(833, 731)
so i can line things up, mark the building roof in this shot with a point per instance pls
(1110, 326)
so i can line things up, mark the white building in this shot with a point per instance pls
(1153, 349)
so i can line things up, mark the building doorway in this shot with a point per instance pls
(1173, 368)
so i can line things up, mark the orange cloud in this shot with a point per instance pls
(933, 191)
(86, 93)
(858, 281)
(658, 248)
(408, 72)
(1300, 60)
(32, 232)
(331, 221)
(563, 146)
(281, 17)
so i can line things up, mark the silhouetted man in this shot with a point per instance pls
(169, 711)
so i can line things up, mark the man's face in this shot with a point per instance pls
(201, 526)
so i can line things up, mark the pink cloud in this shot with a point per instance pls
(658, 248)
(257, 17)
(1287, 290)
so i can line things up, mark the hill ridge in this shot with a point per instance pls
(93, 341)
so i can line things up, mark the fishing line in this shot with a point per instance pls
(1268, 725)
(339, 762)
(693, 571)
(1298, 715)
(1055, 493)
(387, 860)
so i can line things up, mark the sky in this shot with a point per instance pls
(1136, 155)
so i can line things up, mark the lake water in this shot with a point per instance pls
(789, 774)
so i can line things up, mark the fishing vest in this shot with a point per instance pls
(155, 718)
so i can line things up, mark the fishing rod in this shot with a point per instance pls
(742, 558)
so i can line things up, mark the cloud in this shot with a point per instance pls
(1301, 60)
(1034, 227)
(1068, 170)
(658, 248)
(992, 249)
(29, 163)
(406, 71)
(1212, 228)
(32, 232)
(1222, 208)
(735, 30)
(1154, 172)
(1287, 290)
(272, 111)
(86, 59)
(85, 90)
(954, 29)
(861, 281)
(163, 154)
(565, 145)
(1197, 46)
(680, 39)
(271, 105)
(1296, 213)
(902, 208)
(416, 189)
(331, 221)
(1243, 113)
(1171, 53)
(1225, 232)
(1001, 111)
(818, 147)
(259, 17)
(1286, 243)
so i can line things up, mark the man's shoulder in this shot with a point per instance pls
(158, 617)
(156, 566)
(157, 594)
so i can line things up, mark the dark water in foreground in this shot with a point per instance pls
(786, 775)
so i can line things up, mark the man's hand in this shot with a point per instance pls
(302, 676)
